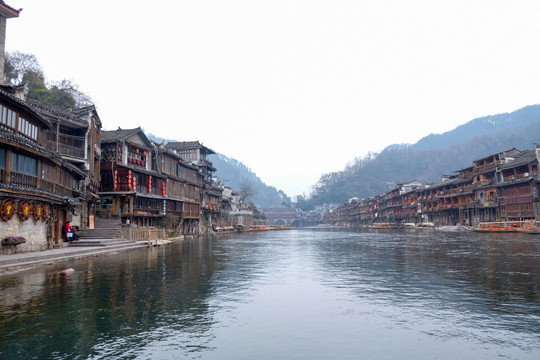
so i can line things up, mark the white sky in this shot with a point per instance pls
(293, 89)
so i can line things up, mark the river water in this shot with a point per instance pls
(317, 293)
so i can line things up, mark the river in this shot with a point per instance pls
(314, 293)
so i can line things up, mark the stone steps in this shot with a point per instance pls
(100, 242)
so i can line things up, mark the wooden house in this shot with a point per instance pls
(196, 154)
(485, 178)
(517, 187)
(39, 189)
(130, 188)
(75, 135)
(184, 184)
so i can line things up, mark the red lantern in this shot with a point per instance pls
(135, 183)
(129, 179)
(115, 180)
(149, 184)
(163, 189)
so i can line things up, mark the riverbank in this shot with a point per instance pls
(12, 263)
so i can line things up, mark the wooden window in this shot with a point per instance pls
(3, 159)
(23, 164)
(8, 119)
(27, 129)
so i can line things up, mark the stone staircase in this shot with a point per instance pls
(106, 233)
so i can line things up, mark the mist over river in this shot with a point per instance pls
(314, 293)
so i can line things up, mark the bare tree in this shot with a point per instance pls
(245, 193)
(17, 64)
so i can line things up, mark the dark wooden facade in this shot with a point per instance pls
(39, 190)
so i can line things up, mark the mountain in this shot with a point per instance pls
(430, 158)
(235, 175)
(484, 126)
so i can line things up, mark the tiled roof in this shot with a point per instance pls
(85, 110)
(54, 111)
(187, 145)
(8, 11)
(119, 134)
(8, 96)
(524, 158)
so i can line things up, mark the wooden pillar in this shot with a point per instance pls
(8, 166)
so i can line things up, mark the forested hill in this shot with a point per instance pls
(235, 175)
(428, 159)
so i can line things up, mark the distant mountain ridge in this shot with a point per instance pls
(483, 126)
(235, 174)
(430, 158)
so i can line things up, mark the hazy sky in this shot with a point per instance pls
(293, 89)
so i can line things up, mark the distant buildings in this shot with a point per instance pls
(498, 187)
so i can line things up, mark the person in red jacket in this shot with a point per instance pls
(68, 232)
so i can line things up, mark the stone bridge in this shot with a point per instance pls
(282, 216)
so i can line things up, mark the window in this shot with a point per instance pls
(8, 122)
(23, 164)
(3, 159)
(27, 129)
(8, 119)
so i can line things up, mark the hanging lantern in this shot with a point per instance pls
(163, 189)
(115, 180)
(134, 183)
(137, 151)
(150, 184)
(129, 179)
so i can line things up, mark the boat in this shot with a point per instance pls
(497, 226)
(384, 226)
(529, 227)
(425, 225)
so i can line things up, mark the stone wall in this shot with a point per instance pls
(35, 233)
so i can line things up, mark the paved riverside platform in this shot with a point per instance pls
(10, 263)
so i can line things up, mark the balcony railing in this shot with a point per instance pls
(187, 214)
(67, 145)
(23, 180)
(46, 185)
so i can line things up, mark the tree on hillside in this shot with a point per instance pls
(17, 64)
(21, 68)
(245, 193)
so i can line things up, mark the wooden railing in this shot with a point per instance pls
(68, 145)
(143, 234)
(23, 180)
(46, 185)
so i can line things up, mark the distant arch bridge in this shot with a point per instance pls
(282, 216)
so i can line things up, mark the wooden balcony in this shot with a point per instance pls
(67, 145)
(23, 180)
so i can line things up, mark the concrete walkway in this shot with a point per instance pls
(27, 260)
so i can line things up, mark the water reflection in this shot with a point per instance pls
(298, 294)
